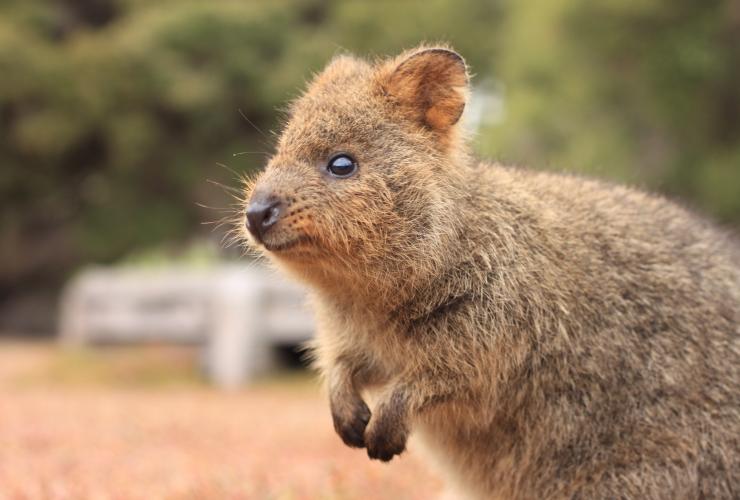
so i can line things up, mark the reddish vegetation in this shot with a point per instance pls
(62, 440)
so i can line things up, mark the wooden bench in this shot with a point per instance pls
(238, 314)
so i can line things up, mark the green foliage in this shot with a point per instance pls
(113, 113)
(642, 91)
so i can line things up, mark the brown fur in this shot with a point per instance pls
(545, 336)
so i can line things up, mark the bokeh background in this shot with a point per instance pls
(125, 123)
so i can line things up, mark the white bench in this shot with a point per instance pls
(237, 313)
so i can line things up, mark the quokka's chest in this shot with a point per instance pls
(384, 345)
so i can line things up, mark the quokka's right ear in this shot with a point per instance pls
(430, 85)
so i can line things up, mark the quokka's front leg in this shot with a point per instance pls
(388, 431)
(384, 431)
(403, 399)
(349, 412)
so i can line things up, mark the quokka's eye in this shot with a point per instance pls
(342, 165)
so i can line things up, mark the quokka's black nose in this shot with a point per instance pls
(262, 213)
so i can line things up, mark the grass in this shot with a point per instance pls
(143, 366)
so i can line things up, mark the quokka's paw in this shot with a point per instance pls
(385, 438)
(350, 420)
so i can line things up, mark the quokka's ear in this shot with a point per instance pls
(430, 85)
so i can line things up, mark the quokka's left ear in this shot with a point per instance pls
(430, 85)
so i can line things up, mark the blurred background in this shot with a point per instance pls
(124, 127)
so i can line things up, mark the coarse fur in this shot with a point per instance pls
(546, 336)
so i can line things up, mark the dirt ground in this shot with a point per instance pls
(137, 423)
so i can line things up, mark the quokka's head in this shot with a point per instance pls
(364, 167)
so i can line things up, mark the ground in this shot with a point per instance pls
(138, 423)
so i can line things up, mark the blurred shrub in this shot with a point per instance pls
(110, 131)
(645, 91)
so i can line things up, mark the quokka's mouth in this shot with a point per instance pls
(286, 245)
